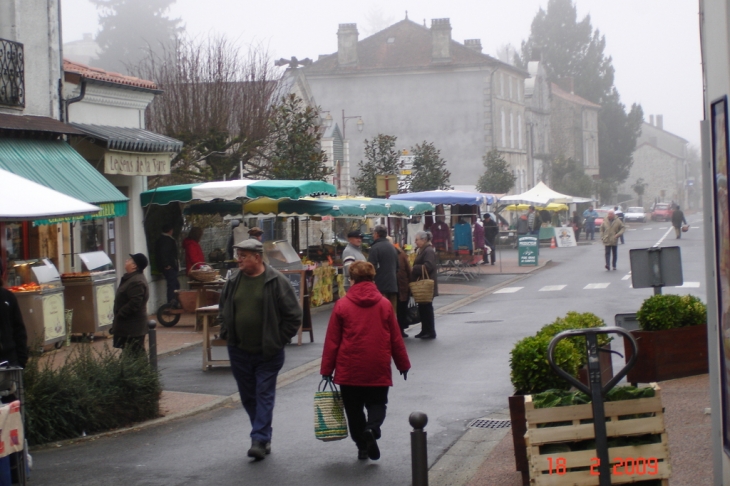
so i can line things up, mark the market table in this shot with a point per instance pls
(211, 356)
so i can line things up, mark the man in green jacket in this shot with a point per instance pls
(259, 313)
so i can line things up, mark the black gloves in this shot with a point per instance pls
(327, 378)
(404, 374)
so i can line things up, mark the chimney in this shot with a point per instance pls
(660, 122)
(651, 120)
(474, 44)
(347, 45)
(441, 40)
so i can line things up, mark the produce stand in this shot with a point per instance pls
(90, 293)
(40, 297)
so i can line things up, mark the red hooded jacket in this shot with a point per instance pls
(193, 254)
(362, 336)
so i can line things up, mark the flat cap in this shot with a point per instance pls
(355, 234)
(250, 245)
(255, 231)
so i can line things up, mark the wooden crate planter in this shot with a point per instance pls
(540, 463)
(668, 354)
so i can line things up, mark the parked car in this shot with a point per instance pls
(661, 212)
(602, 214)
(635, 214)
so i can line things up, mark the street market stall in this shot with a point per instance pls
(541, 195)
(90, 294)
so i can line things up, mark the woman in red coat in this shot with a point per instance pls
(362, 337)
(193, 251)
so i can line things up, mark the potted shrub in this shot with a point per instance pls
(531, 372)
(672, 339)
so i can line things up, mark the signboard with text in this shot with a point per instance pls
(528, 249)
(137, 164)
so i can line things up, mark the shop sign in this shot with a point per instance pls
(53, 316)
(137, 164)
(108, 210)
(528, 248)
(105, 304)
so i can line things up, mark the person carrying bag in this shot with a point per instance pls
(423, 277)
(329, 412)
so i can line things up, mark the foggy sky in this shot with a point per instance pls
(654, 43)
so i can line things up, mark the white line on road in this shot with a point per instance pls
(626, 277)
(596, 286)
(648, 229)
(508, 290)
(689, 285)
(552, 288)
(663, 237)
(663, 227)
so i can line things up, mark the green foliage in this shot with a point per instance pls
(295, 149)
(562, 398)
(569, 178)
(669, 311)
(576, 320)
(429, 169)
(530, 369)
(132, 28)
(498, 178)
(90, 392)
(381, 159)
(573, 50)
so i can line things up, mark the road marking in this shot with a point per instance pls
(626, 277)
(594, 286)
(695, 227)
(689, 285)
(552, 288)
(632, 229)
(663, 227)
(648, 229)
(663, 237)
(508, 290)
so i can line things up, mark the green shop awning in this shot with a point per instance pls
(56, 165)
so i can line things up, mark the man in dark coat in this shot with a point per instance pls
(167, 261)
(259, 313)
(384, 258)
(13, 335)
(130, 306)
(426, 265)
(491, 230)
(677, 221)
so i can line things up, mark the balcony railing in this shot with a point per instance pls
(12, 74)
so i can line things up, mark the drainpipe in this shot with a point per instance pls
(76, 99)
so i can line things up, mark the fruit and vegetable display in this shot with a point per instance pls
(322, 288)
(29, 287)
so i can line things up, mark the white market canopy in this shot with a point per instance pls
(542, 195)
(25, 200)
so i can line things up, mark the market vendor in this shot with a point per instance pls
(13, 335)
(256, 233)
(193, 251)
(352, 253)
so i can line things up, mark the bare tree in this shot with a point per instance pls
(218, 101)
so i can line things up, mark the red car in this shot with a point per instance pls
(661, 212)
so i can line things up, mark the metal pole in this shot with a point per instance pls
(419, 448)
(599, 416)
(152, 334)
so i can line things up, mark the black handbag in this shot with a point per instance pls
(413, 317)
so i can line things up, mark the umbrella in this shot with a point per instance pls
(549, 207)
(236, 189)
(542, 195)
(342, 207)
(447, 197)
(25, 200)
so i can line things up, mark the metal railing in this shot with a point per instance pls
(12, 74)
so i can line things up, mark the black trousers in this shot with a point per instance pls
(402, 314)
(428, 321)
(609, 250)
(357, 399)
(173, 283)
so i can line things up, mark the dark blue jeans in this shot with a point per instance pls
(173, 283)
(256, 379)
(590, 229)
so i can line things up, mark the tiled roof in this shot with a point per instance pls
(70, 67)
(573, 98)
(403, 45)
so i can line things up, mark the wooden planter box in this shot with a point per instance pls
(669, 354)
(574, 423)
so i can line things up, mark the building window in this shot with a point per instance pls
(504, 129)
(501, 85)
(12, 74)
(519, 131)
(511, 130)
(511, 81)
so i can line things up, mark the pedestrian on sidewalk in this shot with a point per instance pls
(677, 221)
(167, 261)
(362, 338)
(611, 229)
(491, 231)
(352, 253)
(256, 233)
(259, 313)
(404, 291)
(193, 251)
(577, 225)
(384, 258)
(426, 259)
(620, 215)
(129, 326)
(590, 215)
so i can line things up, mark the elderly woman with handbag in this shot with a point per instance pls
(362, 338)
(425, 267)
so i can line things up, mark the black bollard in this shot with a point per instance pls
(153, 343)
(419, 448)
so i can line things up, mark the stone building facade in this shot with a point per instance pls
(418, 84)
(574, 129)
(537, 117)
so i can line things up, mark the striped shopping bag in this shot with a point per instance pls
(329, 413)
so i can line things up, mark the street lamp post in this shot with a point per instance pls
(360, 123)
